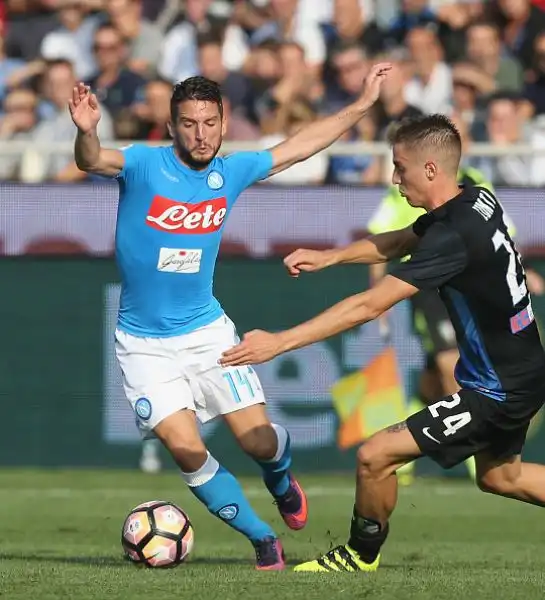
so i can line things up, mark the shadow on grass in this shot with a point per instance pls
(111, 561)
(413, 563)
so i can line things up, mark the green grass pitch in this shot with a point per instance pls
(59, 538)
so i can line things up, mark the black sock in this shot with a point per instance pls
(367, 537)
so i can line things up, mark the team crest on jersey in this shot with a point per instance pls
(215, 180)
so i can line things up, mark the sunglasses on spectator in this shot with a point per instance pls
(19, 108)
(106, 47)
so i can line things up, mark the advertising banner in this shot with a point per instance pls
(81, 218)
(61, 389)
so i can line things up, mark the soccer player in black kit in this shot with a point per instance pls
(460, 247)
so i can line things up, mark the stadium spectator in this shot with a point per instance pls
(264, 71)
(350, 64)
(28, 23)
(505, 127)
(413, 13)
(148, 119)
(287, 120)
(234, 85)
(430, 88)
(359, 168)
(116, 86)
(484, 49)
(286, 26)
(239, 128)
(58, 82)
(534, 90)
(520, 23)
(449, 57)
(8, 66)
(351, 22)
(179, 54)
(18, 119)
(470, 88)
(73, 39)
(151, 9)
(296, 81)
(393, 106)
(144, 38)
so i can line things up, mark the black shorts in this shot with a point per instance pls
(461, 425)
(432, 323)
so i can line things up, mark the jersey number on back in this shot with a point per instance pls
(517, 290)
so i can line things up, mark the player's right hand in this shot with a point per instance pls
(372, 83)
(84, 108)
(307, 261)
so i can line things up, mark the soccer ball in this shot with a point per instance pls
(157, 534)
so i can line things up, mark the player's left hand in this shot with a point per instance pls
(257, 347)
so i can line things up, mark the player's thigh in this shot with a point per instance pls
(499, 465)
(152, 380)
(453, 428)
(180, 434)
(253, 431)
(498, 472)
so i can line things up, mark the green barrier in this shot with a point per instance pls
(60, 386)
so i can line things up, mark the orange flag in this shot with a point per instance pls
(369, 400)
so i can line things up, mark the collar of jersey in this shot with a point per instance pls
(441, 210)
(178, 164)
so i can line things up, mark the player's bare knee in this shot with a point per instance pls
(496, 484)
(372, 462)
(184, 443)
(190, 457)
(260, 443)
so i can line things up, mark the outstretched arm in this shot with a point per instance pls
(88, 153)
(322, 133)
(374, 249)
(261, 346)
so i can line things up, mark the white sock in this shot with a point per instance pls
(204, 474)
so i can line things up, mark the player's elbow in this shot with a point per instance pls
(365, 309)
(85, 164)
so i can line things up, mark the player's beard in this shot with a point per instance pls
(191, 161)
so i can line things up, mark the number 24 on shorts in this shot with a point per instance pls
(242, 381)
(453, 422)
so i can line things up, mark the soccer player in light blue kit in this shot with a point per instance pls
(171, 330)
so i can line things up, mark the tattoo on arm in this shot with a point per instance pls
(397, 427)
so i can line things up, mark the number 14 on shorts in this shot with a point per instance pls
(243, 382)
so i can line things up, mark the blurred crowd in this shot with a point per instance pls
(281, 64)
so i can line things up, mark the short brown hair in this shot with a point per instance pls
(436, 131)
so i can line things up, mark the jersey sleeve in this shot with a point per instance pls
(440, 255)
(134, 157)
(245, 168)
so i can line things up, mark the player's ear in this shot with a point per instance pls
(431, 170)
(170, 129)
(223, 126)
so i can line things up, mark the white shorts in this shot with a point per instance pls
(164, 375)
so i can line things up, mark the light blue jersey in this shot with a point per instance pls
(169, 225)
